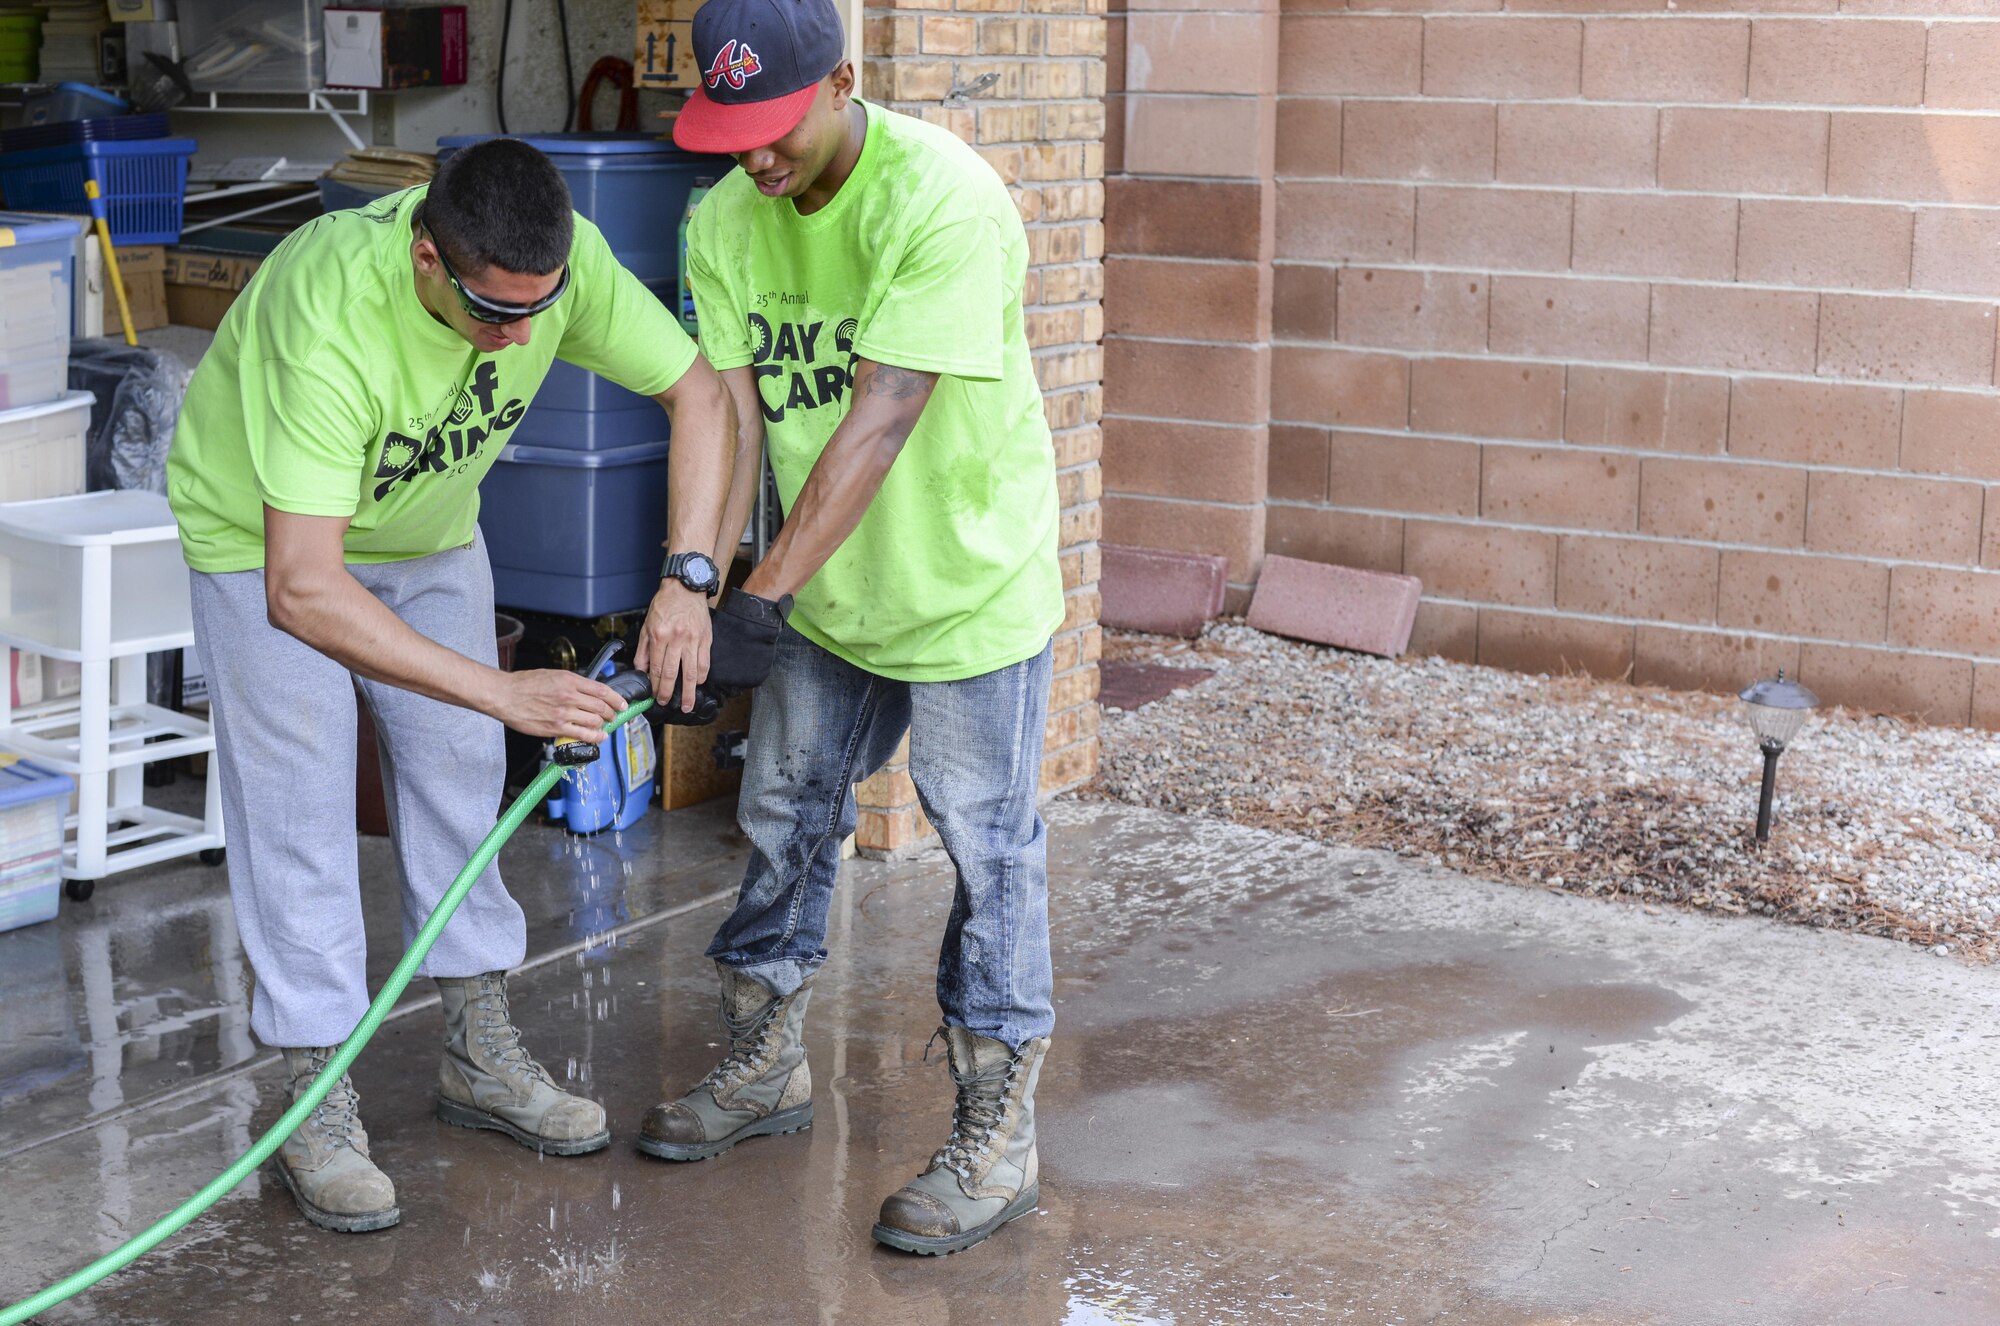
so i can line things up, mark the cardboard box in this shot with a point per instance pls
(387, 49)
(202, 285)
(144, 269)
(664, 56)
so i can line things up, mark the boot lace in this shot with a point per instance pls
(976, 1115)
(337, 1116)
(497, 1032)
(749, 1039)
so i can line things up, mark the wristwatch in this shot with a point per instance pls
(695, 570)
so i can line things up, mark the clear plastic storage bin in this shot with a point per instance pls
(32, 803)
(41, 448)
(37, 254)
(43, 581)
(254, 46)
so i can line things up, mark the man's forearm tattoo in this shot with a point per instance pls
(897, 383)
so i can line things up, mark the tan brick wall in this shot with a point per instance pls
(1659, 342)
(1041, 125)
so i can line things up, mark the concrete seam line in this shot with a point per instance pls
(194, 1090)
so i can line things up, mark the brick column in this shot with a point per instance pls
(1040, 122)
(1190, 216)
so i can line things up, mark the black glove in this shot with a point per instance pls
(742, 646)
(743, 642)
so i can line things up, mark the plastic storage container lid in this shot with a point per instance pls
(93, 94)
(570, 459)
(34, 228)
(69, 400)
(21, 781)
(602, 143)
(126, 516)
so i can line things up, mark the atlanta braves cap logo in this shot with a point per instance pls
(736, 63)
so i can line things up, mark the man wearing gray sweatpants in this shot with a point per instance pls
(325, 476)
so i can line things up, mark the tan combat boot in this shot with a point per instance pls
(987, 1173)
(761, 1088)
(325, 1161)
(488, 1080)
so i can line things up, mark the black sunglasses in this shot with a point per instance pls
(481, 309)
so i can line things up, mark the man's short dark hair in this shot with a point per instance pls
(501, 204)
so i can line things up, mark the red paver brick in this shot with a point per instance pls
(1412, 310)
(1786, 594)
(1369, 611)
(1815, 423)
(1487, 398)
(1646, 410)
(1643, 59)
(1156, 590)
(1645, 578)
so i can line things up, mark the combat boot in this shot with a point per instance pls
(488, 1080)
(761, 1088)
(987, 1172)
(325, 1161)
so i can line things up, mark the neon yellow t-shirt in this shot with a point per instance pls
(331, 391)
(917, 262)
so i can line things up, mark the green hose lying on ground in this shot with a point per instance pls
(392, 990)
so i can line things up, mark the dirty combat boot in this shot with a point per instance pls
(325, 1161)
(487, 1080)
(761, 1088)
(987, 1173)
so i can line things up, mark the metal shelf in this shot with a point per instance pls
(335, 104)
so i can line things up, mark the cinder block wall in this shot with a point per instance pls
(1041, 124)
(1658, 342)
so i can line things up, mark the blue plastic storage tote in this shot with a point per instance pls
(633, 187)
(575, 533)
(143, 183)
(33, 801)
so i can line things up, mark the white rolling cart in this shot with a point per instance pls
(99, 580)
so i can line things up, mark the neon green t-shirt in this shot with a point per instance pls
(331, 391)
(917, 262)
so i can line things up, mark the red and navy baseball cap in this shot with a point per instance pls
(761, 62)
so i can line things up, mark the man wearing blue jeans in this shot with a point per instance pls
(858, 282)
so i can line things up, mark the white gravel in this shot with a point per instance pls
(1585, 786)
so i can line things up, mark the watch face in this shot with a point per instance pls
(699, 569)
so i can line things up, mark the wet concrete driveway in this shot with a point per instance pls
(1289, 1084)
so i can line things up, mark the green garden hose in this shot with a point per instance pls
(392, 990)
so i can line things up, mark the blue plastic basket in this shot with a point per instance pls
(98, 129)
(143, 182)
